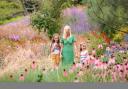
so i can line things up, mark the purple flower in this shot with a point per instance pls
(77, 18)
(14, 37)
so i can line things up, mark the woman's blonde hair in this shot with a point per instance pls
(66, 27)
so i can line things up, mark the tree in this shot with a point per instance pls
(49, 16)
(110, 14)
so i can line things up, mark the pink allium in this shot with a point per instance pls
(104, 65)
(79, 65)
(71, 71)
(101, 65)
(92, 61)
(113, 76)
(74, 66)
(93, 52)
(80, 73)
(65, 73)
(100, 46)
(111, 61)
(113, 46)
(96, 62)
(33, 65)
(21, 77)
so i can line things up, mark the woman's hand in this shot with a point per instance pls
(76, 58)
(76, 55)
(61, 56)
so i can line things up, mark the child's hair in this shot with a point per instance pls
(112, 56)
(53, 41)
(83, 43)
(93, 48)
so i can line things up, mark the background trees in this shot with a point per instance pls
(110, 14)
(48, 18)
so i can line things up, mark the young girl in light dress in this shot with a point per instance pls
(83, 53)
(55, 50)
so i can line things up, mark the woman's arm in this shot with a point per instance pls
(61, 45)
(76, 49)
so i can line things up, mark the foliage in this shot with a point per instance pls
(119, 57)
(11, 20)
(50, 76)
(8, 8)
(110, 14)
(119, 36)
(49, 16)
(94, 41)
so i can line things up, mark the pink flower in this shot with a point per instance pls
(65, 74)
(71, 71)
(79, 65)
(92, 61)
(119, 67)
(80, 73)
(94, 52)
(100, 46)
(33, 65)
(104, 65)
(113, 46)
(101, 65)
(96, 62)
(113, 76)
(74, 66)
(111, 61)
(21, 77)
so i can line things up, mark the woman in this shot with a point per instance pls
(68, 44)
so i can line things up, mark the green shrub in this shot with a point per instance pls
(7, 9)
(94, 42)
(119, 36)
(49, 16)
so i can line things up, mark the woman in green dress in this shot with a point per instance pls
(68, 45)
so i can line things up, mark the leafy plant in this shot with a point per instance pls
(48, 19)
(110, 14)
(8, 8)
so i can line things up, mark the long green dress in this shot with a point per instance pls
(68, 51)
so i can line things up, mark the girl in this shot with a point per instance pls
(108, 51)
(55, 50)
(83, 52)
(111, 60)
